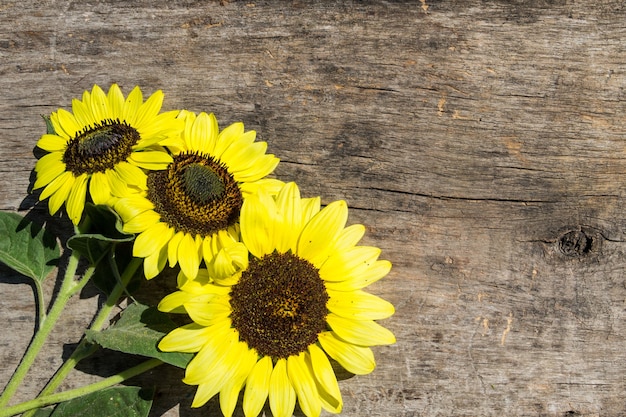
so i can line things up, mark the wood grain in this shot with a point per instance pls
(481, 143)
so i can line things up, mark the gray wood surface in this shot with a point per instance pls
(481, 143)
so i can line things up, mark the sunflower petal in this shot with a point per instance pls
(174, 302)
(142, 222)
(210, 362)
(208, 314)
(258, 221)
(49, 167)
(262, 166)
(131, 106)
(349, 263)
(98, 104)
(154, 263)
(60, 195)
(164, 130)
(304, 385)
(327, 385)
(188, 118)
(281, 393)
(130, 207)
(372, 274)
(310, 207)
(76, 200)
(188, 338)
(172, 248)
(228, 261)
(52, 143)
(227, 137)
(290, 222)
(148, 110)
(215, 363)
(67, 124)
(151, 160)
(257, 387)
(131, 174)
(119, 187)
(82, 112)
(269, 185)
(207, 390)
(359, 305)
(99, 188)
(116, 102)
(203, 133)
(360, 332)
(188, 257)
(230, 392)
(356, 359)
(321, 231)
(349, 237)
(152, 240)
(241, 156)
(55, 185)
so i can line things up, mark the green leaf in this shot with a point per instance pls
(104, 277)
(138, 331)
(44, 412)
(101, 229)
(27, 247)
(109, 402)
(49, 127)
(100, 234)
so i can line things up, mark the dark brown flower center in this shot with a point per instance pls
(279, 305)
(100, 147)
(202, 184)
(195, 194)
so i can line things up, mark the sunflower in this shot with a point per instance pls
(273, 325)
(101, 148)
(190, 211)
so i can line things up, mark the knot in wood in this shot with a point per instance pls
(576, 243)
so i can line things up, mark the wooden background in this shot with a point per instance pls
(481, 142)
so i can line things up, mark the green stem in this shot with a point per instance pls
(69, 287)
(115, 295)
(43, 401)
(84, 348)
(41, 304)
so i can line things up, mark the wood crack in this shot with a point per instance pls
(476, 199)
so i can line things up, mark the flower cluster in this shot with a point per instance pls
(271, 281)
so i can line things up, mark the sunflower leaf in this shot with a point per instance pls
(26, 247)
(109, 402)
(44, 412)
(138, 332)
(49, 126)
(98, 233)
(106, 279)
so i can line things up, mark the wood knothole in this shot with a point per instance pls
(578, 243)
(575, 243)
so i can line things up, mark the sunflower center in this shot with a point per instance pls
(279, 305)
(195, 194)
(100, 147)
(202, 184)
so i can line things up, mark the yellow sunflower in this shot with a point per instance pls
(273, 326)
(101, 148)
(190, 211)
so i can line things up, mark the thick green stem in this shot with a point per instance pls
(82, 351)
(85, 349)
(43, 401)
(69, 287)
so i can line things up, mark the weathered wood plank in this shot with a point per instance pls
(481, 143)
